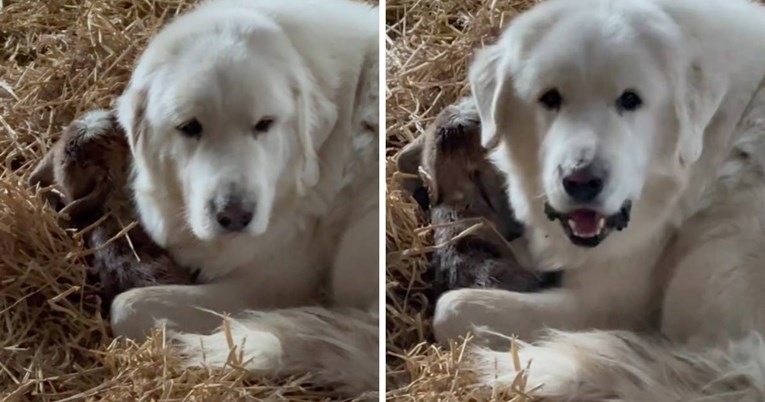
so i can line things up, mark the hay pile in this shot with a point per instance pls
(59, 58)
(430, 45)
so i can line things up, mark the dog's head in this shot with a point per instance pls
(594, 106)
(224, 113)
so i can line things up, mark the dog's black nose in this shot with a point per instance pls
(583, 185)
(235, 215)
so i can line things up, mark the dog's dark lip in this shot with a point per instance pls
(618, 221)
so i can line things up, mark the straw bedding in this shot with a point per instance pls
(59, 58)
(429, 46)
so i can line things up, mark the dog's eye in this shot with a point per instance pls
(264, 124)
(191, 128)
(629, 101)
(551, 99)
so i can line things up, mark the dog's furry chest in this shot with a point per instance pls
(283, 267)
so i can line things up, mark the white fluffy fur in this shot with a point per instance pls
(312, 66)
(690, 265)
(98, 122)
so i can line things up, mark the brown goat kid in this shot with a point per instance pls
(90, 165)
(465, 189)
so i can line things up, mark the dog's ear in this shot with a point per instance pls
(316, 115)
(485, 84)
(697, 87)
(131, 115)
(698, 95)
(493, 82)
(495, 68)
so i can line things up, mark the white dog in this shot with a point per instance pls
(254, 129)
(632, 133)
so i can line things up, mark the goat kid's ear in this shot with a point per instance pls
(42, 174)
(409, 158)
(408, 163)
(89, 203)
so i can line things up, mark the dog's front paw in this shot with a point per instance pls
(132, 315)
(231, 345)
(137, 312)
(548, 371)
(455, 315)
(492, 316)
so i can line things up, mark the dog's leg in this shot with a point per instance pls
(716, 293)
(337, 347)
(621, 295)
(717, 290)
(136, 312)
(355, 276)
(459, 312)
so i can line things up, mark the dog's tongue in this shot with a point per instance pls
(585, 221)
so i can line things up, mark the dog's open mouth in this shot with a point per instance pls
(587, 227)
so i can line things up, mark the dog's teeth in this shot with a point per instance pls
(572, 226)
(577, 233)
